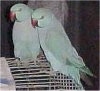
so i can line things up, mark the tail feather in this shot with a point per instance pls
(86, 79)
(86, 70)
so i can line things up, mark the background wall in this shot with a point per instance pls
(81, 25)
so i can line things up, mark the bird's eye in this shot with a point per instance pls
(42, 17)
(19, 9)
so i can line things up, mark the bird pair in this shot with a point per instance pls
(36, 29)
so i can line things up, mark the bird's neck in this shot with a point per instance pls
(28, 19)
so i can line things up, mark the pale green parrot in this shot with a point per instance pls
(25, 37)
(57, 46)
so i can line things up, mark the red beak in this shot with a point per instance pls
(34, 23)
(12, 16)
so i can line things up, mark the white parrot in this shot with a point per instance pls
(56, 45)
(25, 37)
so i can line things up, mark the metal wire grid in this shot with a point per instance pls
(39, 76)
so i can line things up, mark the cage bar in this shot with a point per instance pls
(38, 76)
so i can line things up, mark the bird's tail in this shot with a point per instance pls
(87, 71)
(86, 79)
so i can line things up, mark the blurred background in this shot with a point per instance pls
(80, 20)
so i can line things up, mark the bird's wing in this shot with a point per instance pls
(61, 47)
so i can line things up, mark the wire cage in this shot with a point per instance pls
(38, 75)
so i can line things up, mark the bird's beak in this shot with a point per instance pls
(12, 16)
(34, 22)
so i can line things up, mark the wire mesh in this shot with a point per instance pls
(38, 75)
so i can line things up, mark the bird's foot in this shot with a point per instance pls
(51, 72)
(18, 63)
(25, 64)
(36, 62)
(32, 61)
(29, 61)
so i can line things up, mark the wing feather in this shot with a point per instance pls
(61, 47)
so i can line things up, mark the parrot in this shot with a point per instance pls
(25, 37)
(57, 47)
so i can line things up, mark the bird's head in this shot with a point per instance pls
(20, 12)
(42, 17)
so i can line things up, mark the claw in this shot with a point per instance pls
(18, 62)
(51, 72)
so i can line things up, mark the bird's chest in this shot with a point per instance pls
(24, 32)
(42, 37)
